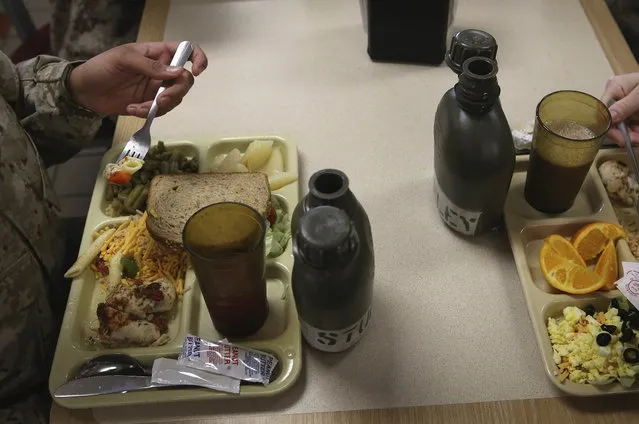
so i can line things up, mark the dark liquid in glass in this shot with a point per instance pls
(234, 291)
(552, 188)
(238, 317)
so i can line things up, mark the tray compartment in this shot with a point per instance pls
(588, 202)
(277, 280)
(224, 146)
(91, 293)
(626, 215)
(554, 309)
(532, 238)
(599, 300)
(188, 148)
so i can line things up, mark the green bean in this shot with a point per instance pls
(122, 196)
(140, 202)
(127, 210)
(164, 167)
(130, 199)
(116, 206)
(109, 193)
(144, 176)
(173, 166)
(151, 164)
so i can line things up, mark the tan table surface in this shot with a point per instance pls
(527, 369)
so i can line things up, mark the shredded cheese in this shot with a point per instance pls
(133, 239)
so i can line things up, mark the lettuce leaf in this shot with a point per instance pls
(277, 236)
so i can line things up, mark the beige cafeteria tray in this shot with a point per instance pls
(527, 229)
(280, 334)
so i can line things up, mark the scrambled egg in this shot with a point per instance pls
(576, 352)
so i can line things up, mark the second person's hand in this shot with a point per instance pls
(624, 90)
(125, 79)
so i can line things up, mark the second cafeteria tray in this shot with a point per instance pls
(280, 335)
(527, 229)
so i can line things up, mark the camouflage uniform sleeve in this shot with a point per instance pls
(58, 126)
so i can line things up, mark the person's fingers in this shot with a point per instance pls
(168, 99)
(133, 61)
(625, 107)
(175, 91)
(615, 135)
(620, 86)
(165, 58)
(141, 110)
(199, 60)
(633, 131)
(156, 49)
(169, 107)
(614, 90)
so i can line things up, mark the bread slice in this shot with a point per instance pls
(173, 199)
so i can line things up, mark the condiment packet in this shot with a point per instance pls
(227, 359)
(522, 137)
(629, 283)
(169, 371)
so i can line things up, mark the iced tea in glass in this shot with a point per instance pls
(569, 128)
(225, 243)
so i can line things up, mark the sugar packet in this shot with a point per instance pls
(522, 137)
(168, 372)
(629, 283)
(221, 357)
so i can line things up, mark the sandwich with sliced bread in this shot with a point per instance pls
(173, 199)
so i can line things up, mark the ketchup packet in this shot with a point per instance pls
(227, 359)
(168, 371)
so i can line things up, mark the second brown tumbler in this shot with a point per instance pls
(225, 243)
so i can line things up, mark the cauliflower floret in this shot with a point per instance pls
(619, 184)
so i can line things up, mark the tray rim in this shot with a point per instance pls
(515, 224)
(292, 364)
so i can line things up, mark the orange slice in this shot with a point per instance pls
(592, 239)
(564, 269)
(561, 247)
(606, 266)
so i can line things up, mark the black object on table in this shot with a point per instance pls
(407, 31)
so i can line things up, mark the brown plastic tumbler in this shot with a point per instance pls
(225, 243)
(569, 128)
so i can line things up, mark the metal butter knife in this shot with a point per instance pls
(104, 385)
